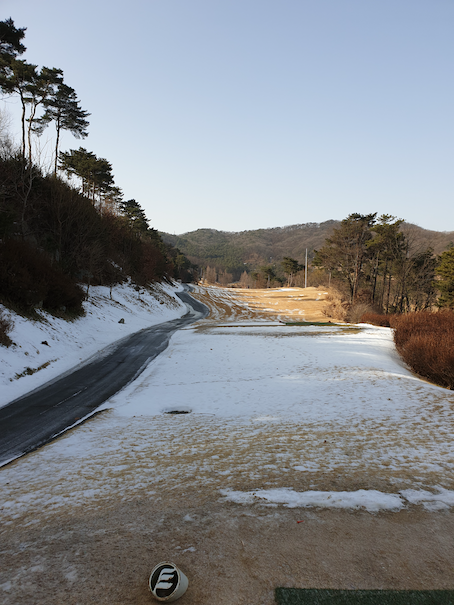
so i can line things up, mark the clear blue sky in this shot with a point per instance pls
(244, 114)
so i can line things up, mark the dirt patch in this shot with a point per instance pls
(231, 554)
(100, 548)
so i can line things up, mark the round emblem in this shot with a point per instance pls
(165, 582)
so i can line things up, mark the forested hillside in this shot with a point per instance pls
(234, 252)
(66, 228)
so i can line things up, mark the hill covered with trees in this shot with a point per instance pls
(231, 253)
(248, 250)
(63, 230)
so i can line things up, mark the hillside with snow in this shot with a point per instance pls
(46, 348)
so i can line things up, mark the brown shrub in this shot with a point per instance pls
(336, 310)
(423, 322)
(6, 325)
(425, 341)
(334, 295)
(376, 319)
(357, 312)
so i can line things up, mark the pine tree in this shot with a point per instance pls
(16, 76)
(39, 91)
(346, 251)
(136, 216)
(290, 267)
(64, 109)
(445, 269)
(10, 42)
(95, 173)
(388, 251)
(269, 273)
(19, 77)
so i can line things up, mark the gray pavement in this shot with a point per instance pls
(35, 419)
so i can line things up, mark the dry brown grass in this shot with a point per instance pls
(336, 308)
(273, 304)
(292, 304)
(426, 342)
(305, 304)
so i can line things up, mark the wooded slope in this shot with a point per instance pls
(236, 251)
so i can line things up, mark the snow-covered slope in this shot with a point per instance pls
(45, 349)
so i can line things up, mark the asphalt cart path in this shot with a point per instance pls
(34, 419)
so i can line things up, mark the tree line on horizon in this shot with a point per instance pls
(372, 260)
(288, 271)
(242, 255)
(56, 235)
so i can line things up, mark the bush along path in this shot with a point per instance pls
(425, 341)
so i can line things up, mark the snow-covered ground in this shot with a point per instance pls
(277, 415)
(48, 348)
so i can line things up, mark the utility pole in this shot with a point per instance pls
(305, 271)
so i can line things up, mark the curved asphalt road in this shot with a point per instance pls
(33, 420)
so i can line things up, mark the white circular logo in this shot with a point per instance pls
(164, 580)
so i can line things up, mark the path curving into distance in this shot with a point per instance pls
(35, 419)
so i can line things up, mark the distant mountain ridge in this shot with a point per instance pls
(236, 251)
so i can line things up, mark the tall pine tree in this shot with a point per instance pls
(445, 284)
(10, 42)
(64, 109)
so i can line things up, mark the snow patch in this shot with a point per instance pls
(371, 500)
(442, 500)
(272, 406)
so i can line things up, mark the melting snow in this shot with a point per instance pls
(370, 500)
(51, 346)
(283, 409)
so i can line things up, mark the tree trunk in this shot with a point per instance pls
(57, 126)
(27, 182)
(29, 130)
(375, 279)
(387, 296)
(23, 125)
(385, 274)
